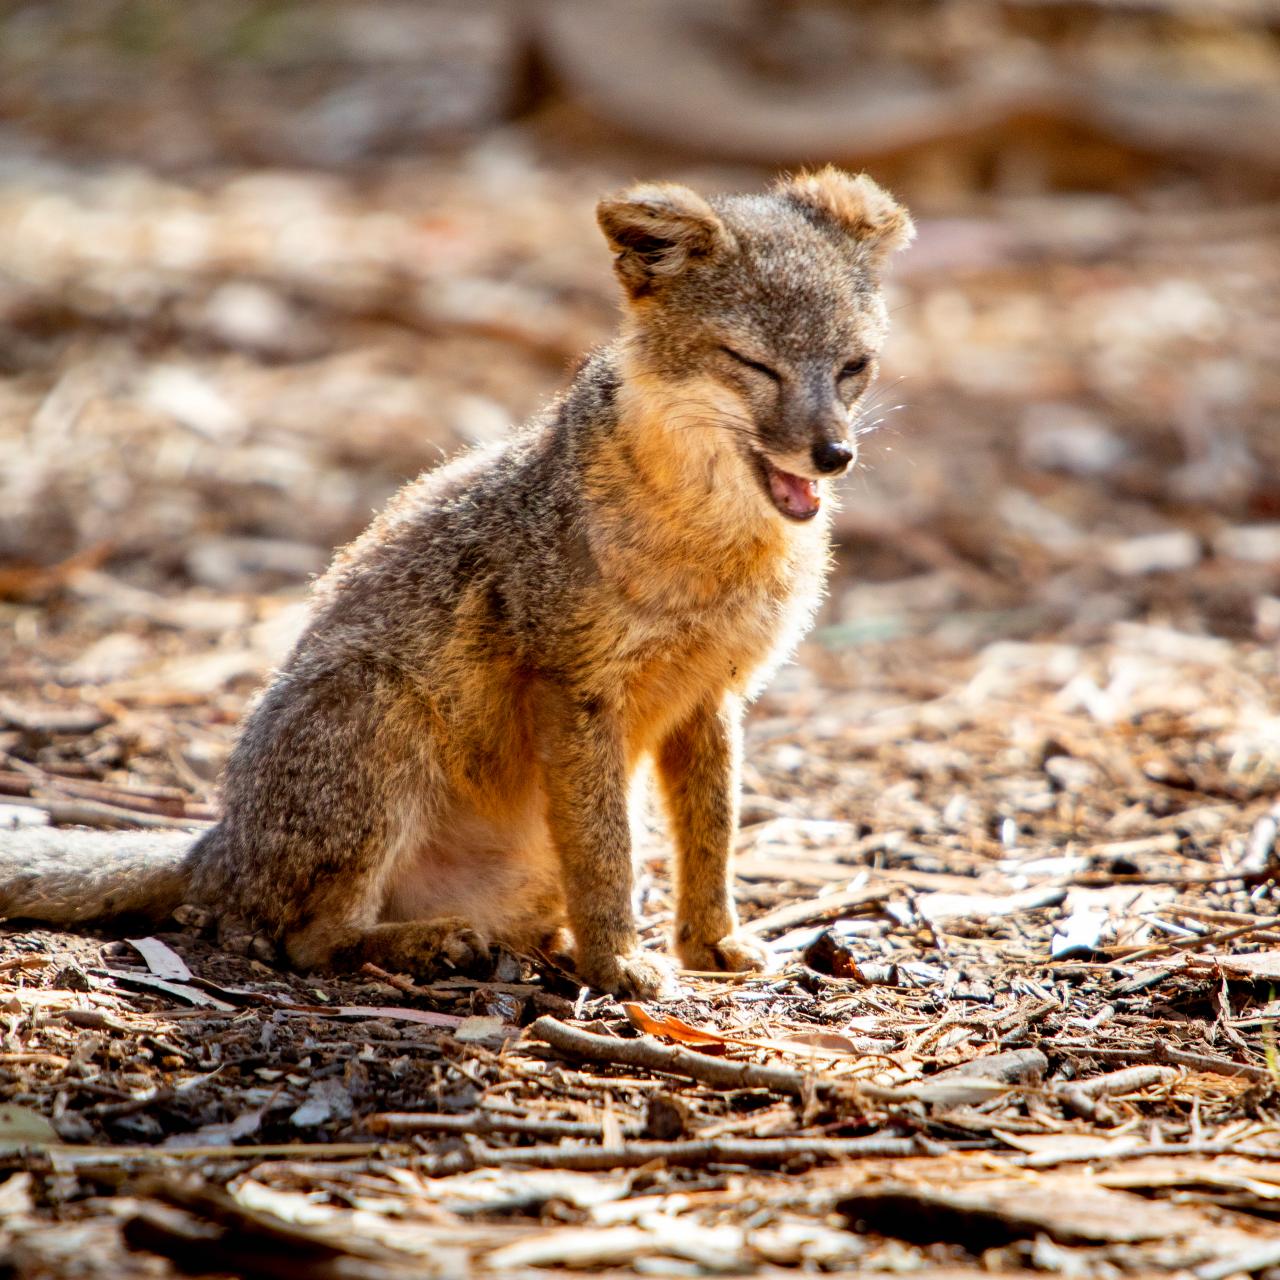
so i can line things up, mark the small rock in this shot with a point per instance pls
(1071, 774)
(1257, 543)
(136, 1128)
(193, 401)
(1152, 553)
(326, 1100)
(71, 978)
(245, 314)
(667, 1119)
(1063, 437)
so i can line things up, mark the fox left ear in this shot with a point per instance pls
(656, 229)
(855, 205)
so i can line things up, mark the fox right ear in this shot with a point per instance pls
(856, 206)
(655, 230)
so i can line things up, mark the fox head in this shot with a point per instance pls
(766, 309)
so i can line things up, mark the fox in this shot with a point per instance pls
(448, 758)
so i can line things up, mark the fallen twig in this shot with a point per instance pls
(719, 1073)
(403, 1123)
(1123, 1081)
(697, 1152)
(94, 813)
(1180, 945)
(27, 780)
(825, 907)
(1086, 1155)
(1162, 1053)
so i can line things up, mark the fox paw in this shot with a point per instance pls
(734, 953)
(458, 946)
(636, 975)
(430, 949)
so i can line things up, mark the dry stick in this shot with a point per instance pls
(75, 1155)
(767, 1151)
(1082, 1096)
(1019, 1024)
(168, 802)
(720, 1073)
(1107, 880)
(1123, 1081)
(1216, 917)
(1192, 944)
(1162, 1053)
(1010, 1067)
(821, 908)
(93, 813)
(1084, 1155)
(403, 1123)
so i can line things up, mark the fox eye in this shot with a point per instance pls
(854, 367)
(748, 363)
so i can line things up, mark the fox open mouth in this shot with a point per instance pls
(796, 497)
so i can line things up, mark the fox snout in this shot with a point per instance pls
(832, 457)
(811, 434)
(826, 458)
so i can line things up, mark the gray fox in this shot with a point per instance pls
(446, 759)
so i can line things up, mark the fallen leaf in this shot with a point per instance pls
(1049, 1148)
(179, 991)
(673, 1028)
(1078, 937)
(393, 1011)
(22, 1125)
(811, 1044)
(483, 1027)
(15, 1195)
(830, 1040)
(162, 960)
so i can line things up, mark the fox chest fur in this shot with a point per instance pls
(673, 636)
(695, 597)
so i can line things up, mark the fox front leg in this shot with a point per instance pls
(698, 770)
(586, 780)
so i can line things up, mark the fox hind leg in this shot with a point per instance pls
(320, 805)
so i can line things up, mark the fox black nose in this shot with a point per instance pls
(831, 456)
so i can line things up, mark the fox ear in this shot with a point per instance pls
(855, 205)
(655, 230)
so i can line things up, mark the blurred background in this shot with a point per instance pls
(262, 260)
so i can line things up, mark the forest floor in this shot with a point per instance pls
(1009, 823)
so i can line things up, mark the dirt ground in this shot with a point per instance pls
(1010, 818)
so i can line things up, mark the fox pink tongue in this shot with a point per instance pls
(796, 495)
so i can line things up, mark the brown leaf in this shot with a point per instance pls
(673, 1028)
